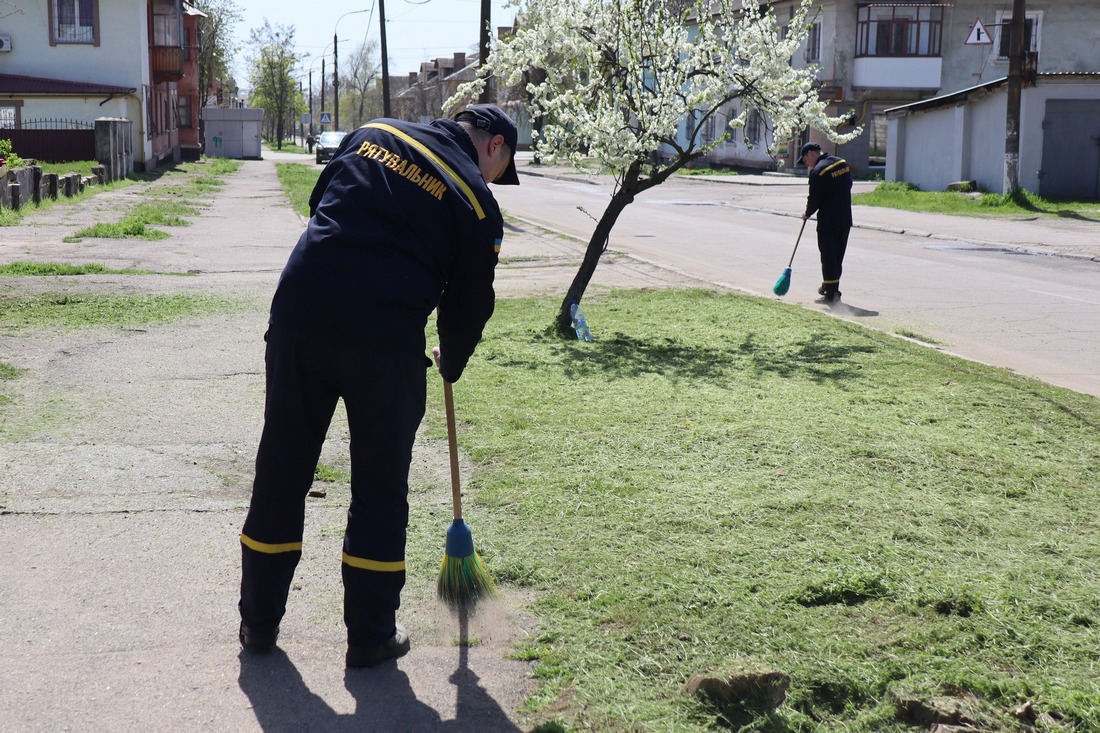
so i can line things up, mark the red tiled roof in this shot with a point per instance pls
(13, 84)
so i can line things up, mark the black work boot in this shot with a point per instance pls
(258, 641)
(395, 647)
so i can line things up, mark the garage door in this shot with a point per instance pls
(1071, 150)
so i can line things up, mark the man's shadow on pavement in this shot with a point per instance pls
(384, 699)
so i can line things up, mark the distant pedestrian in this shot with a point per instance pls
(831, 199)
(402, 223)
(310, 141)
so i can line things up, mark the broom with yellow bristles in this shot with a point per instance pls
(463, 579)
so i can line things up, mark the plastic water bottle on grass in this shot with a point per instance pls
(579, 324)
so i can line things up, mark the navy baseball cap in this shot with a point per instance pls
(492, 119)
(807, 148)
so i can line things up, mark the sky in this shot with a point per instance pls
(415, 31)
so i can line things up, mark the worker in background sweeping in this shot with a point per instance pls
(831, 199)
(402, 223)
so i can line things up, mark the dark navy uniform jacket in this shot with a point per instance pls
(831, 192)
(401, 223)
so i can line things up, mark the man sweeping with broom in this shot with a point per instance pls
(831, 199)
(402, 223)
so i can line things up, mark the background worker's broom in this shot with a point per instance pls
(783, 284)
(463, 579)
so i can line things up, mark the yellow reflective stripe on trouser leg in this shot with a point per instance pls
(268, 548)
(447, 170)
(382, 567)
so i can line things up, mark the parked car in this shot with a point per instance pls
(327, 143)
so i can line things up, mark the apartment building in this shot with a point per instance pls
(65, 63)
(877, 56)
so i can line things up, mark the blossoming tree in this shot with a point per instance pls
(632, 83)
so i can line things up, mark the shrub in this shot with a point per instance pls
(8, 156)
(896, 186)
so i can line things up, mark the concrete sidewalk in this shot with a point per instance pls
(125, 469)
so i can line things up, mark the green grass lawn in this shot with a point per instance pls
(721, 484)
(904, 196)
(297, 181)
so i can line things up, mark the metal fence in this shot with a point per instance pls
(52, 140)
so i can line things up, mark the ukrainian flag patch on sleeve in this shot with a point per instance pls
(496, 245)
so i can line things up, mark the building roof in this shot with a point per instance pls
(14, 84)
(947, 100)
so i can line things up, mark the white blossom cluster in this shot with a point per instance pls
(617, 80)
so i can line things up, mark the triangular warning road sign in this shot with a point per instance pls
(979, 36)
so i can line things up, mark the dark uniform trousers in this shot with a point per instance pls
(384, 397)
(832, 241)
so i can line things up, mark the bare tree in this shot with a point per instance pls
(271, 76)
(214, 46)
(363, 75)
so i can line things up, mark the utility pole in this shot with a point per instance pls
(483, 50)
(336, 67)
(1017, 29)
(336, 81)
(385, 61)
(311, 101)
(322, 89)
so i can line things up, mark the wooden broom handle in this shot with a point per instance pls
(452, 448)
(796, 241)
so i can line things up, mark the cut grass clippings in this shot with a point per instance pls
(719, 483)
(330, 474)
(76, 311)
(7, 371)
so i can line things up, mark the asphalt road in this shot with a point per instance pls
(990, 291)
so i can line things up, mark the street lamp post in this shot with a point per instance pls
(385, 61)
(336, 67)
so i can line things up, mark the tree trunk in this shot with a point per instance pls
(632, 184)
(597, 245)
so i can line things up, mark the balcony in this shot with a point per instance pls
(167, 63)
(897, 72)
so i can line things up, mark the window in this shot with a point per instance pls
(813, 44)
(899, 30)
(183, 111)
(74, 21)
(1033, 23)
(9, 114)
(709, 130)
(753, 123)
(166, 31)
